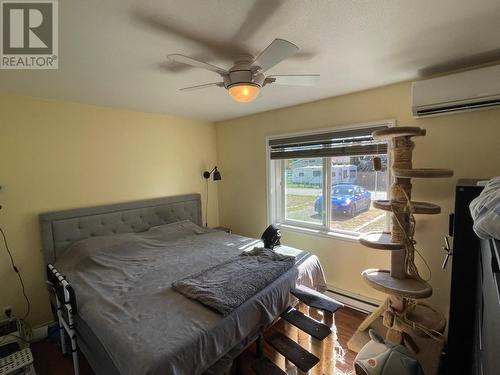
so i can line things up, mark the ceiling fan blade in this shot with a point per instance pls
(294, 80)
(174, 28)
(198, 64)
(191, 88)
(259, 14)
(274, 53)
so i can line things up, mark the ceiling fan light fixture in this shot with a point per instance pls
(244, 92)
(246, 77)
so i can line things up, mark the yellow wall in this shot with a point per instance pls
(467, 143)
(59, 155)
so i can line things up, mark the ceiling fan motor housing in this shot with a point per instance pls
(243, 72)
(238, 77)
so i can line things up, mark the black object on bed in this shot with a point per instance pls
(271, 237)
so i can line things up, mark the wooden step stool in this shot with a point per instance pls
(292, 351)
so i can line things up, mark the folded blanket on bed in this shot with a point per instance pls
(226, 286)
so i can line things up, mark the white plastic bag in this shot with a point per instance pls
(485, 211)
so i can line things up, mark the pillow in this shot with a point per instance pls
(180, 225)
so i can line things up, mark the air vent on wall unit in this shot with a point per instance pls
(466, 91)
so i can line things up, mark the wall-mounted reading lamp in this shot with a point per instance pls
(215, 172)
(217, 177)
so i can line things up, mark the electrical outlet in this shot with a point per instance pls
(7, 310)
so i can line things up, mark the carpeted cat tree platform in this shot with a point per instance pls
(402, 318)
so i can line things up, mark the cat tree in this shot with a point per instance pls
(402, 318)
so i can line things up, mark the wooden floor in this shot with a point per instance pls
(335, 357)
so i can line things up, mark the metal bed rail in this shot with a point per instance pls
(66, 308)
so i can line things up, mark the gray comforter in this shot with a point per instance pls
(226, 286)
(123, 286)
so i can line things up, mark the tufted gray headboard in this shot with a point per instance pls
(61, 228)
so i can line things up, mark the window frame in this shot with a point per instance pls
(275, 173)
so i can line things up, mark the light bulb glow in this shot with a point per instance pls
(244, 92)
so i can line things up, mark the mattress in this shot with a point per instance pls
(132, 322)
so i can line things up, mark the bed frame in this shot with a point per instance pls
(60, 229)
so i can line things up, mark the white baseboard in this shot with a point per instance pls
(353, 300)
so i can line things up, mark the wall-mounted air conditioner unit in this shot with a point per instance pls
(471, 90)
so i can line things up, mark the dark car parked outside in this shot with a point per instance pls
(346, 199)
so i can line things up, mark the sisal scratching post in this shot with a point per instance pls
(405, 320)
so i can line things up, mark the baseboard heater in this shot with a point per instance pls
(354, 301)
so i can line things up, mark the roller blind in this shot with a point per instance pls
(352, 142)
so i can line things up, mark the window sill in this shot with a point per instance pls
(319, 233)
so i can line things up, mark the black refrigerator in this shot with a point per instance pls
(459, 358)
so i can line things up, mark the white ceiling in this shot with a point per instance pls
(110, 55)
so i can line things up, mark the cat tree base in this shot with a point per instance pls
(361, 338)
(428, 349)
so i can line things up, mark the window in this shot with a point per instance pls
(300, 190)
(339, 181)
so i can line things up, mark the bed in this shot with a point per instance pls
(130, 321)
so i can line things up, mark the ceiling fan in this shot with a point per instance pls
(246, 77)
